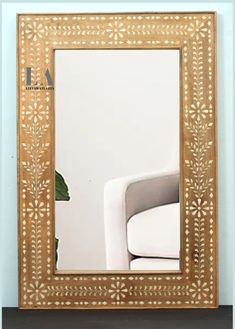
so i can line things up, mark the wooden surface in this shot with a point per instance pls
(193, 33)
(118, 319)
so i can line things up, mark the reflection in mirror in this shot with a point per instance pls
(117, 160)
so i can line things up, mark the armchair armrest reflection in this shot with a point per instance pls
(127, 196)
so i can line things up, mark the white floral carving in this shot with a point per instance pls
(198, 111)
(37, 290)
(34, 31)
(197, 29)
(116, 30)
(36, 209)
(118, 290)
(199, 208)
(36, 112)
(199, 289)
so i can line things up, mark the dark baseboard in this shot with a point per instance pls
(220, 318)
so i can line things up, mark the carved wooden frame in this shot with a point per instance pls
(196, 284)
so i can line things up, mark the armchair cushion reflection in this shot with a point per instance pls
(142, 222)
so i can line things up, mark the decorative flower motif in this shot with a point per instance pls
(36, 112)
(34, 31)
(118, 290)
(116, 30)
(199, 289)
(199, 111)
(198, 28)
(37, 290)
(199, 208)
(36, 209)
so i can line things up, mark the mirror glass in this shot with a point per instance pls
(117, 119)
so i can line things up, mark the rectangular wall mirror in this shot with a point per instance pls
(117, 125)
(117, 160)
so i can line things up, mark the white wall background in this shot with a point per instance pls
(117, 114)
(225, 130)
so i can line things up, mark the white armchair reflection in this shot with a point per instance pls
(142, 222)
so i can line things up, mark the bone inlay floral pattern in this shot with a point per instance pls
(196, 284)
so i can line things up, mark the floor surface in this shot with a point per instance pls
(220, 318)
